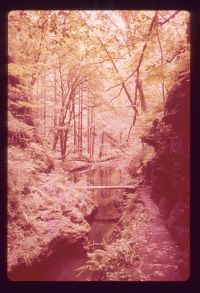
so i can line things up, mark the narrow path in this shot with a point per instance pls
(158, 253)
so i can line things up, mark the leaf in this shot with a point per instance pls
(27, 104)
(153, 78)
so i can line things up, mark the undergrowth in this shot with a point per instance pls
(118, 260)
(41, 207)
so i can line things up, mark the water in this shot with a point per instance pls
(102, 230)
(62, 265)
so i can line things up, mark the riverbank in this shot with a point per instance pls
(140, 248)
(46, 216)
(135, 246)
(59, 220)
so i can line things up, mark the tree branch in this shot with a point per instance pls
(142, 55)
(134, 120)
(112, 87)
(167, 20)
(117, 95)
(161, 53)
(153, 22)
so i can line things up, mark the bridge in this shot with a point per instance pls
(94, 187)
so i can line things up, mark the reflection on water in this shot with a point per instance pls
(100, 176)
(102, 230)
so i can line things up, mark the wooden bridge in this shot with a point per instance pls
(94, 187)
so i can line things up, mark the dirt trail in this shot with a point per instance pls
(159, 253)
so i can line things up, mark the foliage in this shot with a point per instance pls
(118, 260)
(76, 80)
(40, 212)
(114, 263)
(55, 50)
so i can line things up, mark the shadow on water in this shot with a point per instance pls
(62, 264)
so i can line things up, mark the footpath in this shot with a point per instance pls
(158, 252)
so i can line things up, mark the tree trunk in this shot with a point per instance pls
(123, 84)
(161, 53)
(75, 131)
(44, 106)
(93, 139)
(88, 125)
(81, 123)
(101, 147)
(142, 97)
(55, 131)
(92, 129)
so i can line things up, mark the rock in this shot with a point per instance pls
(47, 222)
(76, 217)
(149, 139)
(168, 171)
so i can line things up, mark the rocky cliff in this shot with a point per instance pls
(168, 172)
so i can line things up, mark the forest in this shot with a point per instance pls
(98, 145)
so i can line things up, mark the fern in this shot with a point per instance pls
(82, 270)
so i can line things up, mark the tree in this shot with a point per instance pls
(84, 63)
